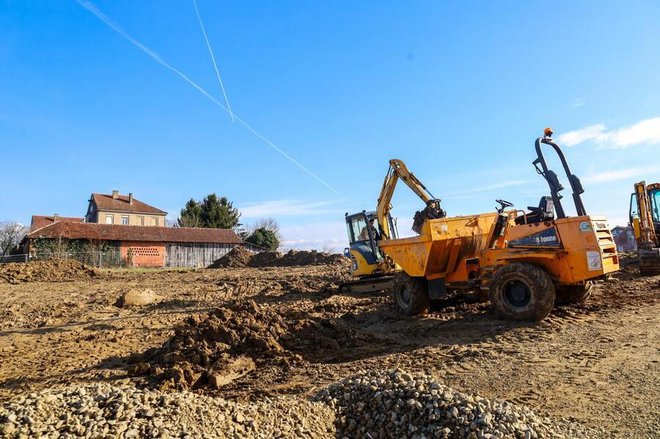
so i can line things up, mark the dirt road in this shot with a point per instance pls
(597, 363)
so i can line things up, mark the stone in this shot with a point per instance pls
(137, 297)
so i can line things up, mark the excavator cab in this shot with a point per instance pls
(363, 239)
(645, 221)
(654, 204)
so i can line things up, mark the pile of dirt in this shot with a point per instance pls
(217, 349)
(55, 270)
(238, 257)
(265, 259)
(295, 258)
(235, 340)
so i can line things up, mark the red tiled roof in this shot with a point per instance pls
(39, 221)
(116, 232)
(121, 204)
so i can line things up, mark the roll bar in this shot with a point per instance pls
(553, 181)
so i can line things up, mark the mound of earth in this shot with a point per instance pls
(238, 257)
(294, 258)
(234, 340)
(217, 349)
(265, 259)
(54, 270)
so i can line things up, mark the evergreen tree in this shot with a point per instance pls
(191, 215)
(264, 238)
(212, 212)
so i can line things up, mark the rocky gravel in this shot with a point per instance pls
(397, 404)
(121, 410)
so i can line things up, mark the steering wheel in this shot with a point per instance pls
(503, 205)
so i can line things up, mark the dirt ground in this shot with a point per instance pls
(597, 363)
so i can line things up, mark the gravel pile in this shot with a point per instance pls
(396, 404)
(106, 411)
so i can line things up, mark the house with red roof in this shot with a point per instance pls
(143, 246)
(39, 221)
(131, 230)
(123, 209)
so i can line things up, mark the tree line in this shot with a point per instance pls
(220, 213)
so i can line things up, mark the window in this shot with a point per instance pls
(654, 195)
(141, 219)
(109, 219)
(156, 221)
(124, 220)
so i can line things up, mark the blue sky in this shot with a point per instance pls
(458, 90)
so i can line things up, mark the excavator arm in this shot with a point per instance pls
(396, 171)
(644, 224)
(644, 230)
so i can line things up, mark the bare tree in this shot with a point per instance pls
(11, 234)
(269, 224)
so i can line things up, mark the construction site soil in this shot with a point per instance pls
(239, 257)
(256, 336)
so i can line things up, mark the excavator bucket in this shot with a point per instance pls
(649, 261)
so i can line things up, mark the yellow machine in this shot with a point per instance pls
(645, 221)
(373, 269)
(526, 260)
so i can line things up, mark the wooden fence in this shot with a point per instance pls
(195, 255)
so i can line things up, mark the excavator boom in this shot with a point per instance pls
(396, 171)
(646, 223)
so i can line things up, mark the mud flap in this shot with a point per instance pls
(437, 289)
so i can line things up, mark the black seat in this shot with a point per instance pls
(544, 212)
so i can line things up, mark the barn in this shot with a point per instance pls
(137, 246)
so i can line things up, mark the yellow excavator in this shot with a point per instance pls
(374, 270)
(645, 220)
(527, 261)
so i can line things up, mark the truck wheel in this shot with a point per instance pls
(411, 294)
(521, 291)
(567, 294)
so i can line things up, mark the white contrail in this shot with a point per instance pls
(91, 7)
(215, 65)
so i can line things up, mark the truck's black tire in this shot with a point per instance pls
(567, 294)
(520, 291)
(411, 294)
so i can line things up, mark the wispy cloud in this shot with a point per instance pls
(572, 138)
(319, 235)
(621, 174)
(500, 185)
(646, 131)
(579, 102)
(326, 245)
(279, 208)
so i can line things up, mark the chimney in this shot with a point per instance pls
(130, 198)
(115, 194)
